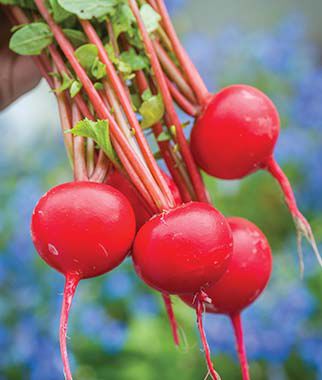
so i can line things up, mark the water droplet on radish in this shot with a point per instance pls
(53, 250)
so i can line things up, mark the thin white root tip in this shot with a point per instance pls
(300, 254)
(304, 229)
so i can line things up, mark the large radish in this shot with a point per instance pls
(82, 230)
(236, 136)
(184, 250)
(247, 275)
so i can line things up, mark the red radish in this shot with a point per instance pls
(247, 275)
(236, 136)
(142, 213)
(183, 250)
(83, 230)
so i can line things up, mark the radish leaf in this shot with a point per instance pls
(31, 39)
(152, 111)
(86, 55)
(99, 132)
(150, 18)
(76, 37)
(87, 9)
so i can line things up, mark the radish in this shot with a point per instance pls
(142, 213)
(82, 230)
(236, 136)
(247, 275)
(183, 250)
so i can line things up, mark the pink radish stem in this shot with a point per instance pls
(302, 225)
(194, 78)
(200, 299)
(124, 100)
(172, 319)
(71, 283)
(160, 78)
(173, 72)
(238, 330)
(102, 111)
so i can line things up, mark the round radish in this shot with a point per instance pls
(248, 273)
(236, 136)
(184, 249)
(82, 230)
(142, 213)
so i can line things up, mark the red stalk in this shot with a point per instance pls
(200, 299)
(124, 100)
(173, 72)
(182, 102)
(191, 73)
(238, 330)
(100, 108)
(303, 227)
(172, 318)
(165, 147)
(71, 283)
(80, 168)
(160, 78)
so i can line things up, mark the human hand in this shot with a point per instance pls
(18, 74)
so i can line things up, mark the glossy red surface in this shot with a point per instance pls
(236, 133)
(83, 228)
(184, 249)
(248, 272)
(120, 182)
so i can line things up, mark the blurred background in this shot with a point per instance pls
(118, 327)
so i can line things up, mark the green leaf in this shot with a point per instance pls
(29, 4)
(152, 111)
(66, 83)
(164, 136)
(147, 94)
(87, 9)
(75, 88)
(99, 132)
(31, 39)
(111, 53)
(150, 18)
(59, 13)
(134, 60)
(98, 69)
(76, 37)
(123, 20)
(98, 86)
(86, 55)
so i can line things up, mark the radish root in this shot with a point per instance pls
(71, 283)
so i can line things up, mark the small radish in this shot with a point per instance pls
(142, 214)
(183, 250)
(82, 230)
(236, 136)
(247, 275)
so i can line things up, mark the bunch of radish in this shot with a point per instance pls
(119, 71)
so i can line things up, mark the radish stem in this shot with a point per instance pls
(172, 319)
(194, 78)
(71, 283)
(303, 227)
(238, 330)
(200, 299)
(160, 78)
